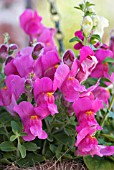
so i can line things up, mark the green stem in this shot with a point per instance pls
(108, 111)
(18, 154)
(7, 134)
(44, 146)
(48, 127)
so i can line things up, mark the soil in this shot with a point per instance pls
(50, 165)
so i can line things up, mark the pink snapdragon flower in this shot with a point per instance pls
(47, 37)
(89, 146)
(102, 69)
(50, 61)
(65, 80)
(87, 63)
(22, 64)
(31, 121)
(11, 92)
(44, 95)
(30, 22)
(102, 94)
(85, 109)
(80, 35)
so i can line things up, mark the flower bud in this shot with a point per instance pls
(3, 52)
(68, 57)
(87, 25)
(37, 50)
(28, 85)
(12, 48)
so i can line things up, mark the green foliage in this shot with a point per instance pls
(7, 146)
(98, 163)
(108, 60)
(95, 38)
(60, 141)
(75, 39)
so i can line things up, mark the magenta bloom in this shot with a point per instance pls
(65, 80)
(5, 97)
(30, 22)
(87, 63)
(85, 109)
(80, 35)
(102, 94)
(101, 69)
(89, 146)
(103, 53)
(43, 94)
(47, 64)
(31, 121)
(11, 92)
(22, 64)
(47, 37)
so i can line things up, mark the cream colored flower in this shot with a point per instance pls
(87, 25)
(100, 23)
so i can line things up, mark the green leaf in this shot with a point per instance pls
(88, 4)
(104, 79)
(5, 118)
(9, 156)
(75, 39)
(111, 114)
(22, 150)
(109, 137)
(64, 139)
(7, 146)
(81, 6)
(30, 160)
(78, 8)
(23, 134)
(94, 38)
(15, 127)
(30, 146)
(5, 161)
(108, 60)
(2, 131)
(88, 13)
(53, 148)
(98, 163)
(13, 137)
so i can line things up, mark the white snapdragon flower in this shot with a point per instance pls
(100, 23)
(87, 25)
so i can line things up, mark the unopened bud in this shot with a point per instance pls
(37, 50)
(28, 85)
(12, 48)
(8, 60)
(3, 52)
(68, 57)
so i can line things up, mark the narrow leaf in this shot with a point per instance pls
(75, 39)
(7, 146)
(22, 150)
(108, 60)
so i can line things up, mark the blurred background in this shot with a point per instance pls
(70, 18)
